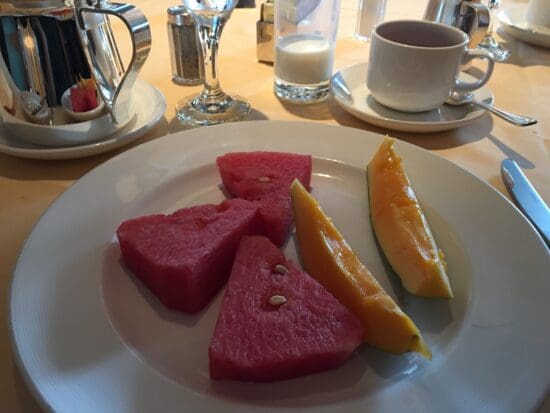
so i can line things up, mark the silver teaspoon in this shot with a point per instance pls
(462, 98)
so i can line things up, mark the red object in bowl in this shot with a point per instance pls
(83, 100)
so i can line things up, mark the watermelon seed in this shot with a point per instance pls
(264, 179)
(281, 269)
(277, 300)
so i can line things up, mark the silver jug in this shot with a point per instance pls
(49, 64)
(471, 16)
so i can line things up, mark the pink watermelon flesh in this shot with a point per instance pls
(266, 177)
(276, 214)
(256, 341)
(185, 258)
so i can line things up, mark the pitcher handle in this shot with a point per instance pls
(481, 23)
(115, 87)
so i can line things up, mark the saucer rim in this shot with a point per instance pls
(114, 141)
(402, 125)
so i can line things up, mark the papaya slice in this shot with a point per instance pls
(401, 227)
(329, 259)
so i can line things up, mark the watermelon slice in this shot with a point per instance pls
(184, 258)
(266, 177)
(258, 337)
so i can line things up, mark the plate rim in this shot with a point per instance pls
(30, 382)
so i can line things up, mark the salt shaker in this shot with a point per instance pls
(185, 54)
(369, 13)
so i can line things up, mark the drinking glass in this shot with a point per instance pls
(212, 105)
(305, 33)
(500, 54)
(369, 13)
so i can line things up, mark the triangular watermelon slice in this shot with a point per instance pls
(184, 258)
(266, 177)
(260, 336)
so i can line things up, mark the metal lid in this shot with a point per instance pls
(179, 16)
(267, 12)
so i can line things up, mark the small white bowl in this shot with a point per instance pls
(80, 116)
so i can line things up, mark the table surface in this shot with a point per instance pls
(521, 85)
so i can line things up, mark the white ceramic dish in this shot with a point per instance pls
(80, 116)
(149, 104)
(514, 23)
(89, 338)
(359, 103)
(62, 133)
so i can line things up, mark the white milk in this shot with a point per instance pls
(304, 59)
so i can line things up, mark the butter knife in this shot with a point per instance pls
(526, 197)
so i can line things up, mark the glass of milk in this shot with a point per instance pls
(305, 33)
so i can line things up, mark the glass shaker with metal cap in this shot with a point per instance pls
(185, 54)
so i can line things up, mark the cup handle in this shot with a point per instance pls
(471, 54)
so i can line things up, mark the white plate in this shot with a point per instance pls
(349, 88)
(89, 338)
(150, 107)
(514, 23)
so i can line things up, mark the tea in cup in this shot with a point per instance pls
(414, 64)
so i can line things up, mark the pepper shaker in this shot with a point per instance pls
(185, 54)
(265, 44)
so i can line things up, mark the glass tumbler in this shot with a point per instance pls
(305, 34)
(369, 13)
(489, 42)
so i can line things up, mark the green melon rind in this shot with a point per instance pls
(392, 266)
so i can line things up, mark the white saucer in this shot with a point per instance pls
(64, 132)
(150, 107)
(514, 23)
(349, 88)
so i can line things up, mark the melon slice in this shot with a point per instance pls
(266, 177)
(185, 258)
(401, 227)
(276, 322)
(329, 259)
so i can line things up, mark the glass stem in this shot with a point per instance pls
(209, 36)
(493, 5)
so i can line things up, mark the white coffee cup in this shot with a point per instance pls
(414, 64)
(538, 13)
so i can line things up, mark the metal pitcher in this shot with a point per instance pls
(48, 65)
(471, 16)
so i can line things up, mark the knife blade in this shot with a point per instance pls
(526, 197)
